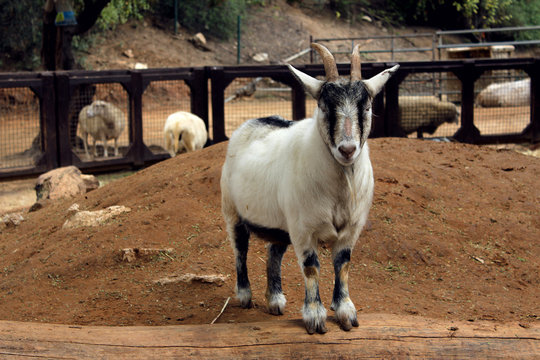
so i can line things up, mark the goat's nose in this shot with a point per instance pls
(347, 150)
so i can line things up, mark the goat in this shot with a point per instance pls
(301, 183)
(103, 121)
(184, 131)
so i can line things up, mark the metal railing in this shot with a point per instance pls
(437, 42)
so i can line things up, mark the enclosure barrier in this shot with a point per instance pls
(39, 111)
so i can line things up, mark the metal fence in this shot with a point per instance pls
(39, 112)
(437, 44)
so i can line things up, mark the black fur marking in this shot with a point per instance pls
(333, 95)
(311, 259)
(272, 235)
(273, 268)
(275, 121)
(343, 257)
(241, 242)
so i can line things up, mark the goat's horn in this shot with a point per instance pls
(356, 68)
(330, 67)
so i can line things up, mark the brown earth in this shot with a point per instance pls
(452, 234)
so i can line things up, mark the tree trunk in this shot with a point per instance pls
(378, 337)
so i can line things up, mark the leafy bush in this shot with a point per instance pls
(212, 17)
(525, 13)
(20, 26)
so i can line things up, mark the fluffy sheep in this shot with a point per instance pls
(513, 93)
(184, 131)
(303, 183)
(425, 113)
(103, 121)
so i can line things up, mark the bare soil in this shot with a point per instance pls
(453, 234)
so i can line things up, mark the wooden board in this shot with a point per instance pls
(379, 336)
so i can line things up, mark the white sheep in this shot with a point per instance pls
(103, 121)
(513, 93)
(184, 131)
(304, 182)
(425, 113)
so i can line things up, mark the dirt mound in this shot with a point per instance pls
(453, 234)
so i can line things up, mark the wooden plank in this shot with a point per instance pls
(379, 336)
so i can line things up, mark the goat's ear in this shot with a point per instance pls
(376, 83)
(312, 85)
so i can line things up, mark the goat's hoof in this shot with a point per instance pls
(312, 327)
(276, 303)
(314, 316)
(346, 315)
(244, 296)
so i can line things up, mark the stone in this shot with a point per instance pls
(85, 218)
(64, 182)
(199, 41)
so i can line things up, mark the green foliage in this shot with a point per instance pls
(212, 17)
(20, 31)
(525, 13)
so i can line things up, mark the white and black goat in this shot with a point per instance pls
(304, 182)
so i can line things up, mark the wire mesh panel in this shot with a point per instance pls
(248, 98)
(100, 111)
(20, 140)
(428, 104)
(161, 99)
(502, 103)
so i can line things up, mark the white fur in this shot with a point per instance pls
(103, 121)
(190, 127)
(512, 93)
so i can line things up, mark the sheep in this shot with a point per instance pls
(301, 183)
(425, 113)
(513, 93)
(103, 121)
(184, 131)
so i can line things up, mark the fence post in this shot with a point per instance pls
(468, 132)
(392, 126)
(535, 101)
(198, 84)
(218, 84)
(63, 97)
(48, 121)
(136, 152)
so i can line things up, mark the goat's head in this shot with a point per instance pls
(344, 106)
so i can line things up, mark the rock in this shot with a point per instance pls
(128, 53)
(260, 57)
(140, 66)
(92, 218)
(131, 254)
(199, 41)
(11, 220)
(217, 279)
(367, 18)
(64, 182)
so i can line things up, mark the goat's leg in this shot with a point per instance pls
(274, 293)
(313, 311)
(115, 146)
(85, 143)
(240, 235)
(105, 151)
(95, 148)
(341, 302)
